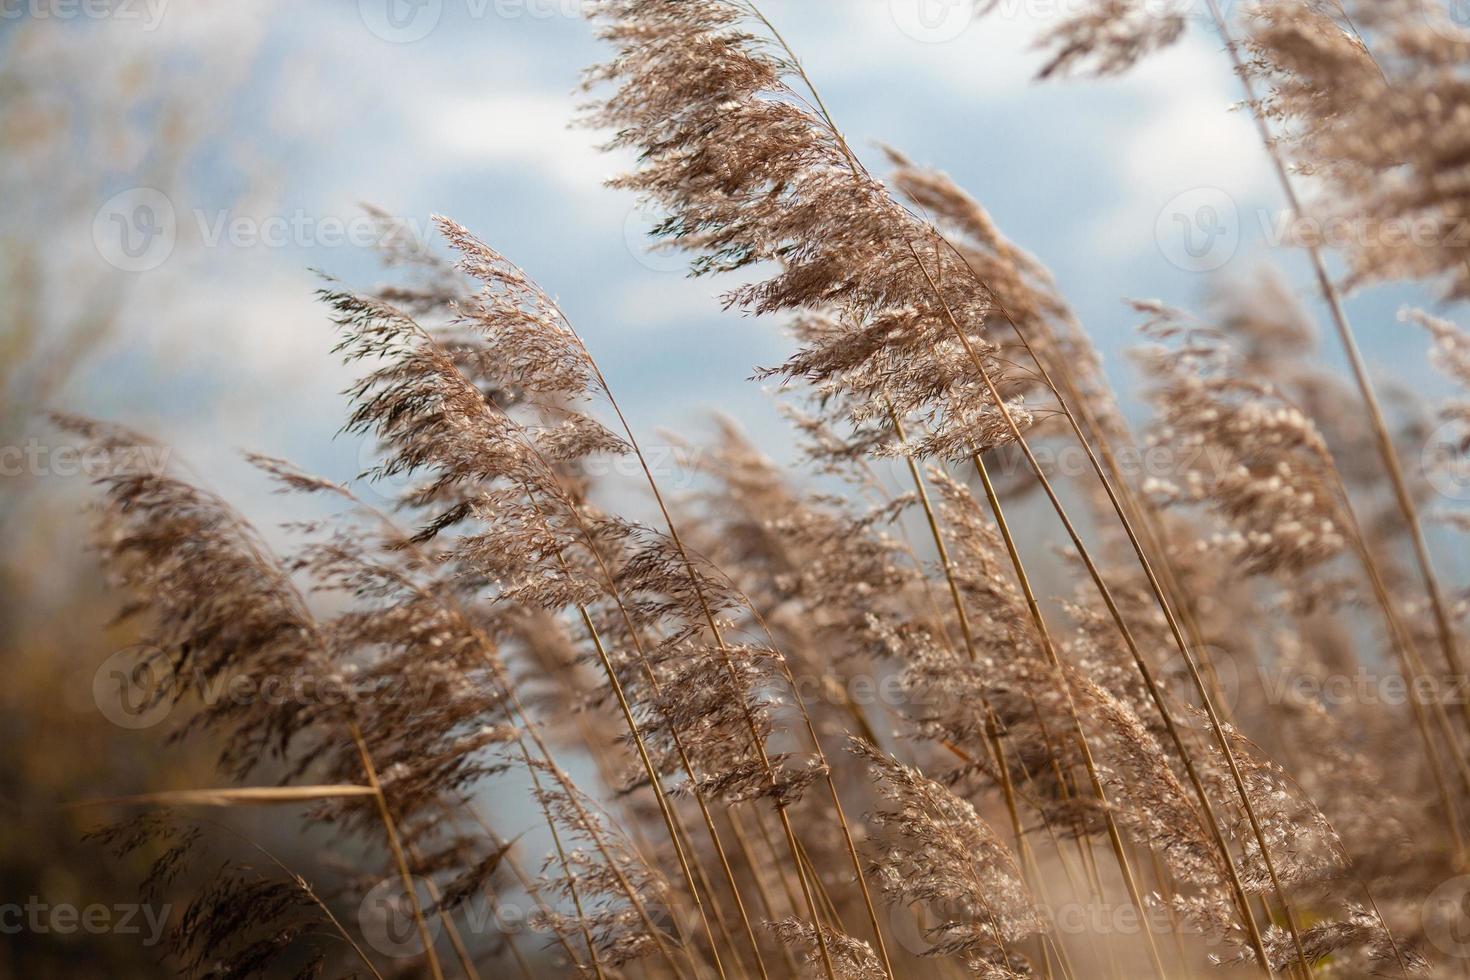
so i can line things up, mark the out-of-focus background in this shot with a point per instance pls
(177, 175)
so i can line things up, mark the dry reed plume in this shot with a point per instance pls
(1086, 761)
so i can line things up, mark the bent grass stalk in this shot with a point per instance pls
(1115, 838)
(531, 889)
(396, 846)
(1106, 593)
(718, 636)
(750, 721)
(528, 727)
(860, 173)
(686, 763)
(589, 542)
(1154, 586)
(507, 691)
(1403, 497)
(991, 726)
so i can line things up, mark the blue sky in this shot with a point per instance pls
(309, 109)
(296, 113)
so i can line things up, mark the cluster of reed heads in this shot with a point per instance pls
(1081, 763)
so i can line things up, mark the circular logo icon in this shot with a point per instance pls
(400, 21)
(1446, 460)
(1446, 917)
(386, 917)
(645, 247)
(932, 21)
(1221, 675)
(132, 687)
(1199, 230)
(906, 929)
(388, 488)
(135, 231)
(1450, 18)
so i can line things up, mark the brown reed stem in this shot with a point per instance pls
(715, 631)
(528, 728)
(396, 846)
(1115, 838)
(1403, 497)
(861, 173)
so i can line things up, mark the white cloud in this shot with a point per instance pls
(940, 41)
(665, 301)
(529, 131)
(1187, 137)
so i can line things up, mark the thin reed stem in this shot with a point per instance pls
(396, 846)
(1383, 439)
